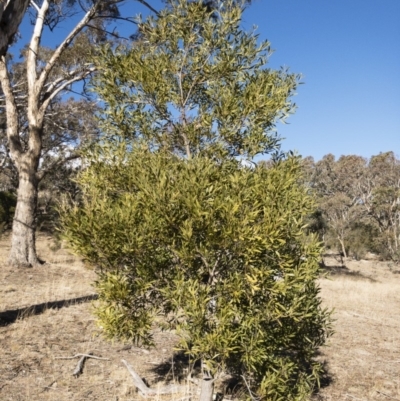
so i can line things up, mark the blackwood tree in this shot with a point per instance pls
(184, 233)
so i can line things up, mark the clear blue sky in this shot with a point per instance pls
(348, 52)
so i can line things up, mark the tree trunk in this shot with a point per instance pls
(207, 389)
(23, 247)
(343, 248)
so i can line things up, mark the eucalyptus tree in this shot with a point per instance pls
(336, 184)
(36, 121)
(189, 237)
(380, 194)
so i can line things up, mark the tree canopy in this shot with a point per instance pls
(195, 85)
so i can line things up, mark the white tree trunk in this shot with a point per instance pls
(207, 389)
(23, 248)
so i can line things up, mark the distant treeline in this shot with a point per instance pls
(358, 203)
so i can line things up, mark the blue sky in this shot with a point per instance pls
(348, 52)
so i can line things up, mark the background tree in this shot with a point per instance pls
(358, 199)
(189, 238)
(380, 194)
(36, 122)
(336, 184)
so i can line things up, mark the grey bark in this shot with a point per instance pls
(23, 244)
(207, 389)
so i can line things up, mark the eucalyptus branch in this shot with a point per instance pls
(11, 109)
(145, 3)
(105, 30)
(63, 86)
(35, 5)
(33, 50)
(57, 53)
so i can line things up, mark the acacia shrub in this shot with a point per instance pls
(213, 250)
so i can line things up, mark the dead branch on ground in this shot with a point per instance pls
(147, 391)
(79, 367)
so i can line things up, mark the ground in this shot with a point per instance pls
(45, 315)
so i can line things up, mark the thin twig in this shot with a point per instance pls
(250, 392)
(387, 395)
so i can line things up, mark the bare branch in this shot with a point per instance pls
(57, 53)
(249, 390)
(80, 355)
(56, 91)
(128, 19)
(41, 174)
(34, 47)
(146, 391)
(35, 5)
(79, 367)
(104, 30)
(146, 4)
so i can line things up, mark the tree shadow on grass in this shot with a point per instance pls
(325, 379)
(176, 369)
(235, 387)
(342, 270)
(11, 316)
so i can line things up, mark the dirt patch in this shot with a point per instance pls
(45, 314)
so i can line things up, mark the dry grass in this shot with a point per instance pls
(364, 354)
(44, 315)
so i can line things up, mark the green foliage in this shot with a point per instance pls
(184, 235)
(218, 249)
(362, 239)
(195, 84)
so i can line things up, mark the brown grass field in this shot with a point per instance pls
(45, 315)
